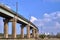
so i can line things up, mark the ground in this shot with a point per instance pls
(50, 39)
(34, 39)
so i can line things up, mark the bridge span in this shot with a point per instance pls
(11, 16)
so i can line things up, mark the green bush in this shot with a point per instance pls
(42, 36)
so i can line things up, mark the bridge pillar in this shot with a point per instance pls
(22, 31)
(33, 33)
(28, 31)
(5, 28)
(14, 28)
(36, 33)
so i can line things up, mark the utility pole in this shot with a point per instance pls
(16, 7)
(16, 11)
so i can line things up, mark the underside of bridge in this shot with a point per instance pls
(11, 16)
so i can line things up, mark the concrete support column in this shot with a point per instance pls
(28, 31)
(33, 33)
(22, 31)
(6, 28)
(36, 34)
(14, 28)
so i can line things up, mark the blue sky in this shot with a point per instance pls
(43, 13)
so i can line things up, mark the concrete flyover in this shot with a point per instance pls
(12, 16)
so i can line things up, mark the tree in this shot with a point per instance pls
(42, 36)
(58, 35)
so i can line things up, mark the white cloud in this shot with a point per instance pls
(53, 15)
(58, 14)
(33, 19)
(39, 22)
(57, 25)
(49, 21)
(46, 15)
